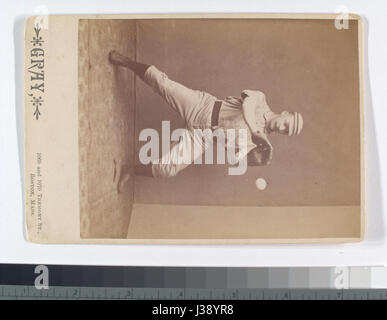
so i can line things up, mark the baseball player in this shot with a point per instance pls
(201, 110)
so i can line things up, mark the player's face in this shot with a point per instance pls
(281, 123)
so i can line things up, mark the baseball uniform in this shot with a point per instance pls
(196, 107)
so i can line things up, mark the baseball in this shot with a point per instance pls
(261, 184)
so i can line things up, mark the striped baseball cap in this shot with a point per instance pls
(295, 124)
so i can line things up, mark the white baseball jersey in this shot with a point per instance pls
(195, 107)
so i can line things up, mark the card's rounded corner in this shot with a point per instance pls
(32, 238)
(30, 20)
(358, 17)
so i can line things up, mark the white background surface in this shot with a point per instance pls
(15, 249)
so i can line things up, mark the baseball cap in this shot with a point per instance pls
(295, 124)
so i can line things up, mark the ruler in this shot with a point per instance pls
(86, 293)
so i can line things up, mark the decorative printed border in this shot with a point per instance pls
(36, 70)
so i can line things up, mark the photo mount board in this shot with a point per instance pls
(53, 153)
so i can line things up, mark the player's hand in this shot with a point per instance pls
(264, 145)
(261, 140)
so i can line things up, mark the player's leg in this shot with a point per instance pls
(182, 153)
(183, 100)
(178, 158)
(136, 67)
(124, 174)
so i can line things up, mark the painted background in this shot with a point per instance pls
(305, 66)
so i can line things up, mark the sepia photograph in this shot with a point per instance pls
(205, 128)
(194, 150)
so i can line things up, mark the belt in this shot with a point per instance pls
(215, 113)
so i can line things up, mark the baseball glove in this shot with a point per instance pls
(263, 153)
